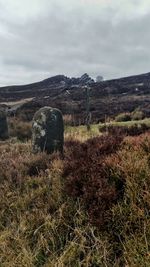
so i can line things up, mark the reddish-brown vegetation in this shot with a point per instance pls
(50, 207)
(88, 175)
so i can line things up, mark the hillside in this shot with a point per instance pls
(107, 98)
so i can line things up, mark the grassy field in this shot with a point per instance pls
(90, 209)
(22, 130)
(129, 123)
(80, 132)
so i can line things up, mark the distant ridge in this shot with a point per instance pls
(107, 98)
(62, 81)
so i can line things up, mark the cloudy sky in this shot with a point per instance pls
(42, 38)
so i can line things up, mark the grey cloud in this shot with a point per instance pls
(71, 42)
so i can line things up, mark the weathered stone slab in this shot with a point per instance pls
(48, 130)
(3, 125)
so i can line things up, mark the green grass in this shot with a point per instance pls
(81, 133)
(128, 123)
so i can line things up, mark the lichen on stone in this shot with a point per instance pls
(48, 130)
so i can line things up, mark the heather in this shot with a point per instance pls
(90, 208)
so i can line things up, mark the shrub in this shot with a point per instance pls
(87, 176)
(21, 164)
(21, 130)
(36, 164)
(137, 115)
(123, 117)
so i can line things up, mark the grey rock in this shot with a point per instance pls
(3, 124)
(48, 130)
(85, 79)
(99, 79)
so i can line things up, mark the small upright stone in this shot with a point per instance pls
(48, 130)
(3, 125)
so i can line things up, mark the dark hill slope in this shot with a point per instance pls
(107, 98)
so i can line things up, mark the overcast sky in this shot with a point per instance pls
(42, 38)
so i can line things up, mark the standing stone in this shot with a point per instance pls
(48, 130)
(3, 125)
